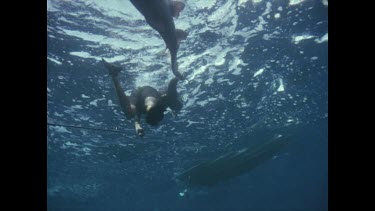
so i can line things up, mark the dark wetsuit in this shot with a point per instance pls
(136, 104)
(139, 96)
(167, 99)
(170, 98)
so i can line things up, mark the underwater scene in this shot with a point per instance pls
(161, 105)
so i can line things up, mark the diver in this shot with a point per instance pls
(145, 100)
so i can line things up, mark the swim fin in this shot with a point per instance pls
(113, 69)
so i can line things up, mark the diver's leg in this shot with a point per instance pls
(124, 100)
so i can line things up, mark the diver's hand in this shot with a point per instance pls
(139, 130)
(174, 114)
(179, 76)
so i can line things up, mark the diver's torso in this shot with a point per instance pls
(138, 97)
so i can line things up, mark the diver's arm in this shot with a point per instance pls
(138, 129)
(172, 87)
(138, 111)
(171, 98)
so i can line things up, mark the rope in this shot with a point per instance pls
(88, 128)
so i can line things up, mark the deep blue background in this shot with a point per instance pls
(138, 175)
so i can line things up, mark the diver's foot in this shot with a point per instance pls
(174, 114)
(179, 76)
(113, 76)
(113, 70)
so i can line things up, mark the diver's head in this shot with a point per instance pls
(150, 103)
(154, 111)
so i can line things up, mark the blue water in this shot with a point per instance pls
(253, 69)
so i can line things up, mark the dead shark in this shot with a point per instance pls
(159, 15)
